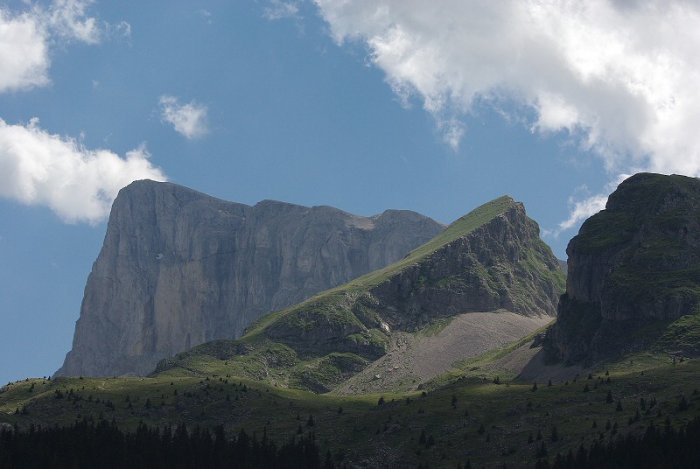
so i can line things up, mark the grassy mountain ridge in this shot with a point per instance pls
(457, 229)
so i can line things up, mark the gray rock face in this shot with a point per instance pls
(636, 262)
(179, 268)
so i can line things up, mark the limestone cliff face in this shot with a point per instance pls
(179, 268)
(636, 262)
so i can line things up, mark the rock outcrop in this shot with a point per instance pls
(502, 264)
(179, 268)
(633, 264)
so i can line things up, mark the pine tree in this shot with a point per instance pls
(541, 451)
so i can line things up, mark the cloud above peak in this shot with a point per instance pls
(619, 77)
(189, 120)
(76, 183)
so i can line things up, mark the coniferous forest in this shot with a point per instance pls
(104, 445)
(658, 447)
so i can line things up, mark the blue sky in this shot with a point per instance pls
(360, 105)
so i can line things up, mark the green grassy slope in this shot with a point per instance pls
(485, 423)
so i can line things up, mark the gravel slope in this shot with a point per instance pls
(416, 358)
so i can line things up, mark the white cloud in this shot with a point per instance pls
(24, 57)
(582, 209)
(78, 184)
(279, 9)
(620, 77)
(67, 19)
(27, 37)
(189, 120)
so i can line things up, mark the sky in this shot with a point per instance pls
(435, 107)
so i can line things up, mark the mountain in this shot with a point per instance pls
(633, 274)
(179, 268)
(505, 407)
(486, 280)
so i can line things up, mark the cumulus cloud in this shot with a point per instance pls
(189, 120)
(26, 38)
(78, 184)
(619, 77)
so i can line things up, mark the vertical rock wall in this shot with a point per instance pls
(178, 268)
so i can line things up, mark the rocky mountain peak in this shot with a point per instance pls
(634, 263)
(178, 268)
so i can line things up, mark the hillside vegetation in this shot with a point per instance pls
(465, 417)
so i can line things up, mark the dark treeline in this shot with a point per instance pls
(659, 447)
(103, 445)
